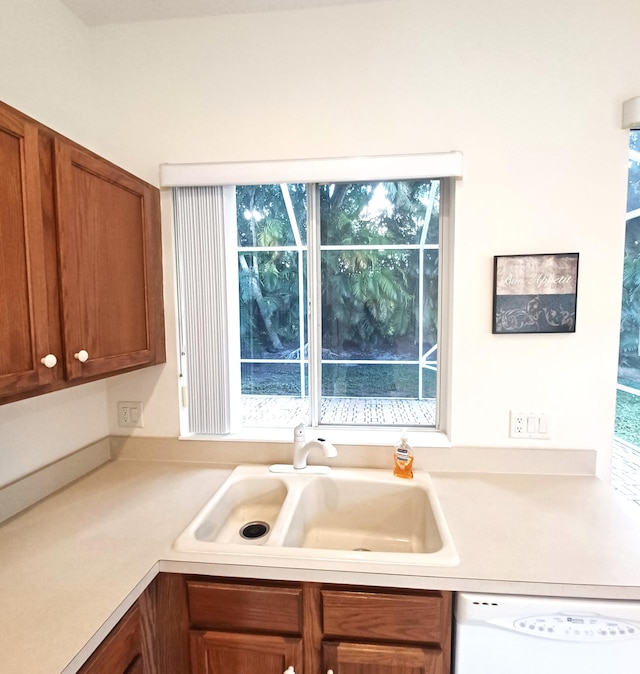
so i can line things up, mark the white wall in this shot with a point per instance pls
(47, 66)
(531, 93)
(46, 72)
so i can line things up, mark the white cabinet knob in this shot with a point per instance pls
(82, 356)
(49, 360)
(290, 670)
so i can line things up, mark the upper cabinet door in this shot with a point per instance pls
(110, 265)
(23, 294)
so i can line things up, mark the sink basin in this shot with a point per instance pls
(365, 515)
(345, 520)
(242, 511)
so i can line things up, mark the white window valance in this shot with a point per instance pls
(396, 167)
(631, 114)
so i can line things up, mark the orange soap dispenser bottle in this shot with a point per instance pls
(403, 459)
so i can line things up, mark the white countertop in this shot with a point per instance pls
(71, 565)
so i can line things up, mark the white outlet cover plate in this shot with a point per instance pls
(130, 414)
(519, 425)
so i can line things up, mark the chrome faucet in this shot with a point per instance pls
(301, 449)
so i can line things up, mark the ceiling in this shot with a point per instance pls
(100, 12)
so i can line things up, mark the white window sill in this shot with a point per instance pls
(369, 437)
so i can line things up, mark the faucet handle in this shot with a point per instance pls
(299, 433)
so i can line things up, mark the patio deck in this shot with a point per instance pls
(283, 411)
(625, 470)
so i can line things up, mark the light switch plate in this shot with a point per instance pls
(529, 425)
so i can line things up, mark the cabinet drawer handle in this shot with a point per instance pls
(82, 356)
(290, 670)
(49, 360)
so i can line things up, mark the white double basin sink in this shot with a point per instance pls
(347, 514)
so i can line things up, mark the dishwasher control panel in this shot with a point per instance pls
(576, 627)
(508, 634)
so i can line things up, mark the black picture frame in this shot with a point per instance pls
(535, 293)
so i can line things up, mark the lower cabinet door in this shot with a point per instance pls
(121, 651)
(136, 667)
(350, 658)
(229, 653)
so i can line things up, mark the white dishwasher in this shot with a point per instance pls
(505, 634)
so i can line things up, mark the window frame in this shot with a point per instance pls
(446, 167)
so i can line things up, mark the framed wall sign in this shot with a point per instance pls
(535, 293)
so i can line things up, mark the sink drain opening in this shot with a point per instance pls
(253, 530)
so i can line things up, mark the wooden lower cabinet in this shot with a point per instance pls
(121, 652)
(244, 627)
(205, 625)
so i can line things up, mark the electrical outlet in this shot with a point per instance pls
(518, 424)
(130, 414)
(532, 425)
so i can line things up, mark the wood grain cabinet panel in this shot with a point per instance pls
(23, 299)
(415, 618)
(377, 631)
(354, 658)
(80, 263)
(253, 628)
(248, 628)
(228, 653)
(243, 607)
(202, 625)
(121, 651)
(108, 265)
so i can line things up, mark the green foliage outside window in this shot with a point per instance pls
(629, 360)
(370, 282)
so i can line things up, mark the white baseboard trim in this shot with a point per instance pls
(32, 488)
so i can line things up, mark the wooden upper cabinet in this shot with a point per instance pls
(80, 264)
(109, 262)
(23, 299)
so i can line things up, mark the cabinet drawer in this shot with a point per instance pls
(350, 658)
(229, 653)
(255, 608)
(418, 618)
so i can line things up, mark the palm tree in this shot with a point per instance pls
(370, 296)
(268, 280)
(370, 286)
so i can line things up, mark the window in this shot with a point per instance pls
(628, 397)
(318, 302)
